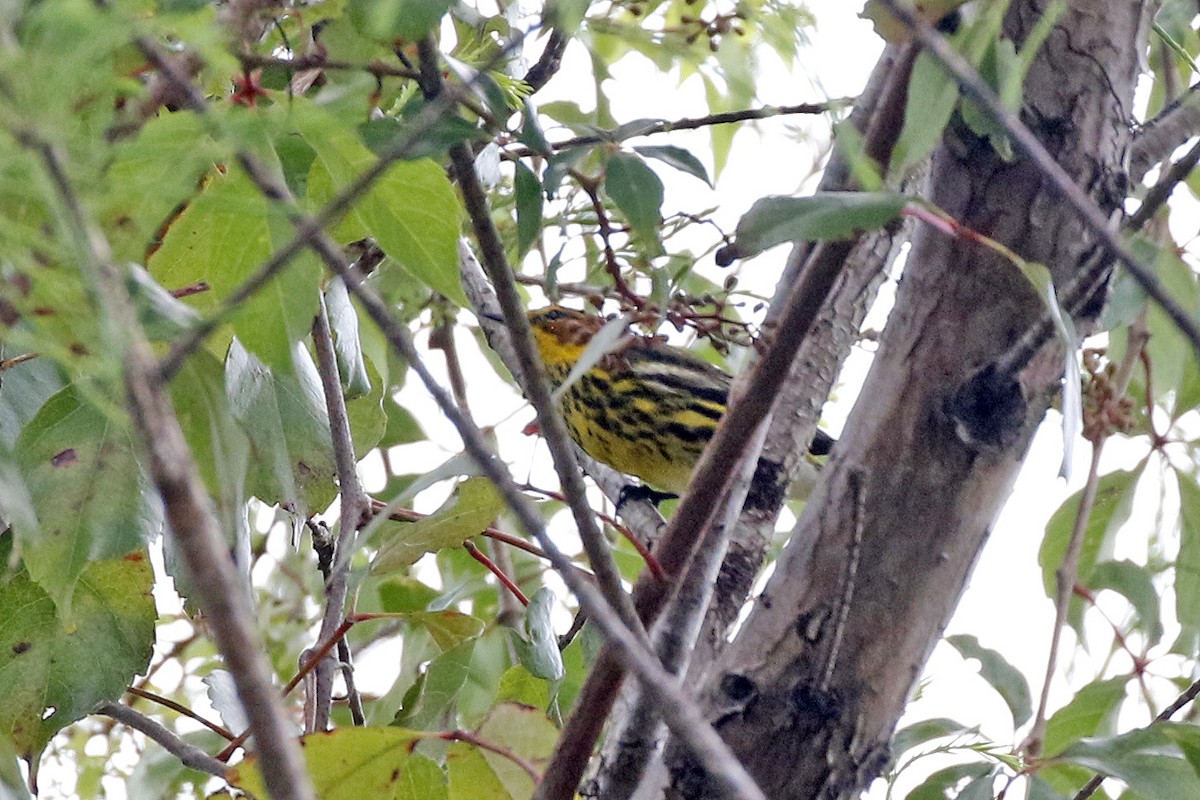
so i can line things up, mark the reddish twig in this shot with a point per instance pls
(651, 562)
(190, 289)
(1157, 440)
(223, 732)
(591, 188)
(482, 558)
(471, 738)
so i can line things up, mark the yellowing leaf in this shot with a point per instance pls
(358, 763)
(472, 507)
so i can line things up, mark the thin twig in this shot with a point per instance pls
(220, 730)
(474, 739)
(190, 756)
(379, 69)
(688, 123)
(549, 62)
(1067, 572)
(355, 504)
(491, 567)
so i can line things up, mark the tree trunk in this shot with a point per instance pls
(809, 693)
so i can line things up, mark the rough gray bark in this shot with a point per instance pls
(810, 691)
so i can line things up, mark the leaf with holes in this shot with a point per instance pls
(51, 669)
(91, 500)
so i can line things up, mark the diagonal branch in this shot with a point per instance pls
(190, 756)
(1088, 212)
(1157, 138)
(188, 507)
(550, 422)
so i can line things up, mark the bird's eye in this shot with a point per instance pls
(555, 313)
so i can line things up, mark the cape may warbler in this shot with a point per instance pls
(646, 409)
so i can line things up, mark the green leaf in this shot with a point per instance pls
(527, 191)
(1114, 497)
(55, 669)
(400, 593)
(1147, 760)
(678, 158)
(24, 388)
(637, 191)
(1187, 737)
(355, 763)
(430, 703)
(385, 20)
(924, 731)
(1091, 708)
(479, 773)
(368, 420)
(220, 448)
(1187, 565)
(538, 646)
(473, 506)
(223, 237)
(532, 135)
(932, 96)
(402, 426)
(384, 133)
(91, 500)
(151, 176)
(285, 418)
(412, 211)
(939, 785)
(343, 323)
(519, 685)
(823, 217)
(447, 629)
(1133, 582)
(994, 668)
(565, 15)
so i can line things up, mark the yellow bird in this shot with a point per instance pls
(647, 409)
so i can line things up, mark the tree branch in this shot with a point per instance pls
(188, 507)
(190, 756)
(551, 59)
(1157, 138)
(355, 507)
